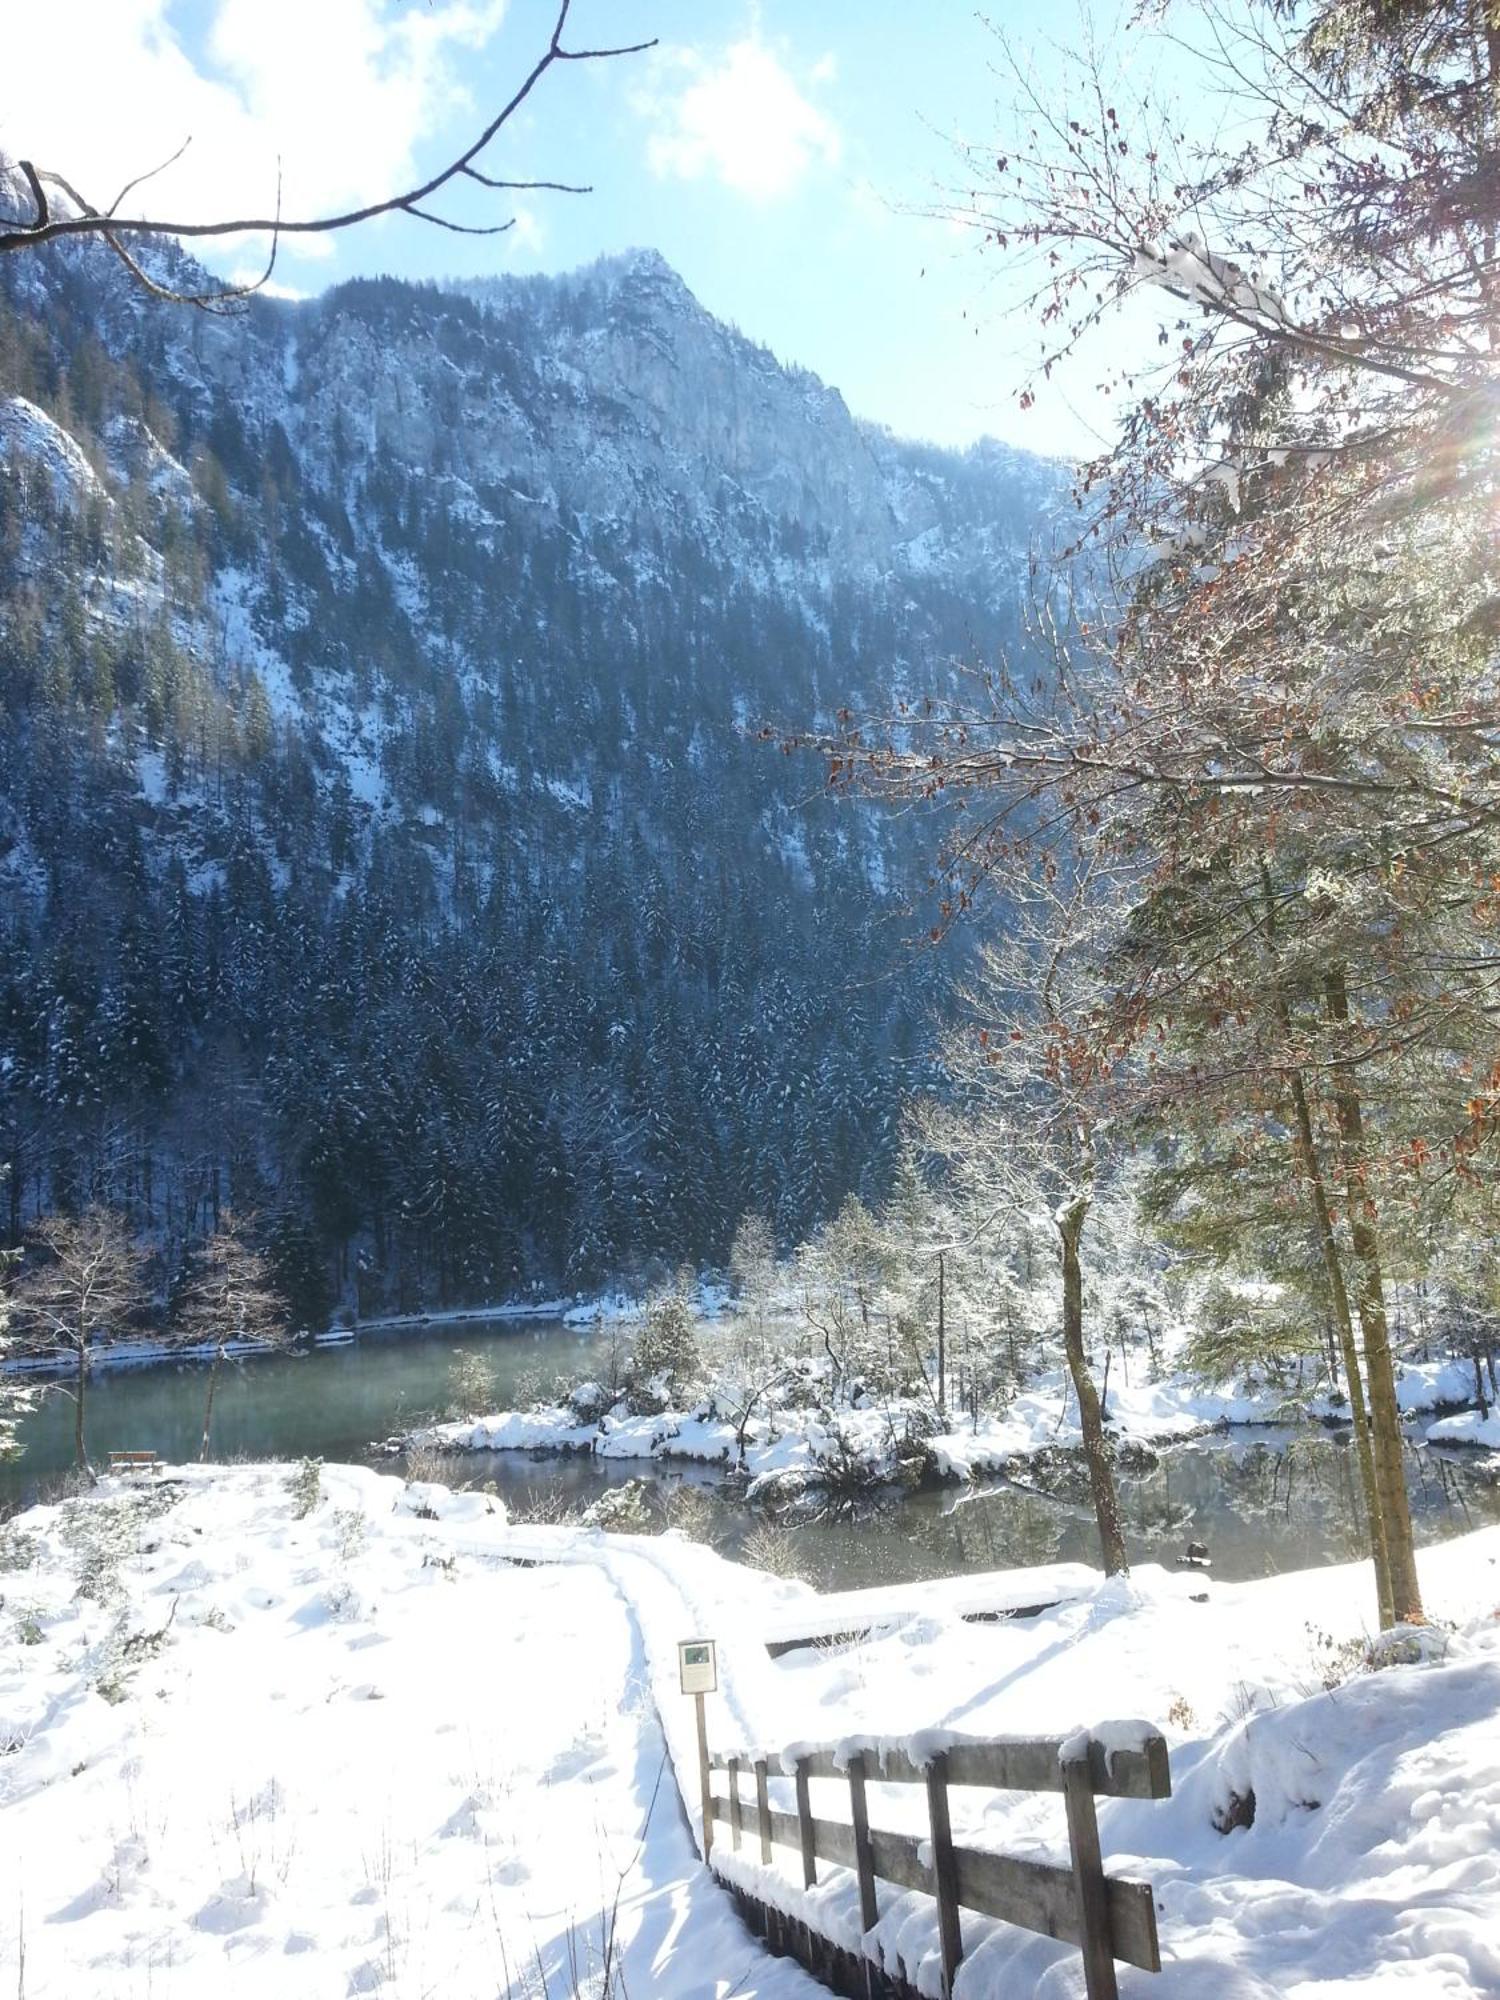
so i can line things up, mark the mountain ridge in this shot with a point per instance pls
(413, 646)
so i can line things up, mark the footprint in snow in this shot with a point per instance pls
(573, 1762)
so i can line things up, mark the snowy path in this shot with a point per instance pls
(348, 1770)
(366, 1753)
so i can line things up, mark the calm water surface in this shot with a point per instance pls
(1263, 1501)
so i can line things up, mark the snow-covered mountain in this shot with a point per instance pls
(380, 707)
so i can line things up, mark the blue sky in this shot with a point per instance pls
(772, 152)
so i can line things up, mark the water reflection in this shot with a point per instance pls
(1263, 1501)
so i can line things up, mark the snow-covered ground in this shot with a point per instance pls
(353, 1753)
(363, 1751)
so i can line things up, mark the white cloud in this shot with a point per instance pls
(269, 288)
(529, 233)
(741, 120)
(342, 91)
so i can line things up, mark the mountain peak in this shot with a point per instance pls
(640, 262)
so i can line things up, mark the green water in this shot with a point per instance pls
(326, 1402)
(1263, 1501)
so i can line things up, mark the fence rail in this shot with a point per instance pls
(1107, 1917)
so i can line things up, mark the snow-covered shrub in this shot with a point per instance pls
(426, 1467)
(690, 1511)
(305, 1488)
(471, 1386)
(772, 1546)
(1250, 1335)
(588, 1402)
(351, 1527)
(18, 1550)
(666, 1354)
(623, 1510)
(101, 1534)
(543, 1507)
(1341, 1660)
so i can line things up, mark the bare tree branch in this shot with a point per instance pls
(46, 226)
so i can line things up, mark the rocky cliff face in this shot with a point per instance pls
(410, 644)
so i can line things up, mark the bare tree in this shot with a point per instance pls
(229, 1297)
(90, 1284)
(1026, 1128)
(50, 223)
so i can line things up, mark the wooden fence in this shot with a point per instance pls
(1107, 1917)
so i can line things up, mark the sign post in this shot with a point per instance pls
(698, 1671)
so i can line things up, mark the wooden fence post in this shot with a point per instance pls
(805, 1827)
(945, 1871)
(864, 1854)
(1088, 1879)
(705, 1781)
(763, 1808)
(734, 1802)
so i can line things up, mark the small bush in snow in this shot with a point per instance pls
(623, 1510)
(1340, 1660)
(351, 1527)
(690, 1511)
(666, 1352)
(28, 1628)
(305, 1487)
(101, 1534)
(772, 1546)
(471, 1386)
(426, 1467)
(18, 1550)
(1180, 1713)
(341, 1600)
(543, 1507)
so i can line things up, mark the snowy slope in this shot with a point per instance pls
(365, 1753)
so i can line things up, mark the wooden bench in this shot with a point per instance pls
(1107, 1917)
(134, 1461)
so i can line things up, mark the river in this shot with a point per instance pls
(1262, 1501)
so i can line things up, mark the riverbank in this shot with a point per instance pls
(797, 1436)
(608, 1308)
(279, 1738)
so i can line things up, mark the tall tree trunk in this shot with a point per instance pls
(1344, 1326)
(1385, 1412)
(80, 1449)
(208, 1407)
(1338, 1291)
(1095, 1450)
(942, 1358)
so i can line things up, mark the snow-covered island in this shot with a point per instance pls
(796, 1430)
(311, 1731)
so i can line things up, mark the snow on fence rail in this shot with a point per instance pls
(1108, 1917)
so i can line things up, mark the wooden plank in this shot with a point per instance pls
(1036, 1895)
(763, 1810)
(1017, 1764)
(735, 1825)
(864, 1857)
(1088, 1881)
(945, 1872)
(805, 1827)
